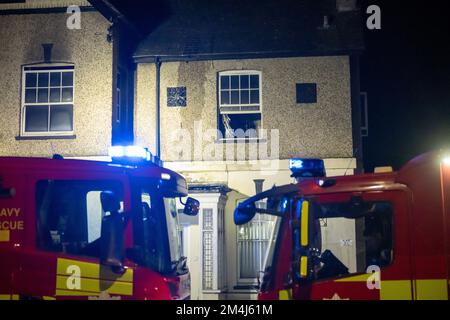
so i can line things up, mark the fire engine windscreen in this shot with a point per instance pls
(347, 237)
(156, 230)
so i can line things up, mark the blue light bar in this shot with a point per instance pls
(306, 168)
(132, 154)
(128, 152)
(295, 164)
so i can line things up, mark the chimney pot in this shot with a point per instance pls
(47, 52)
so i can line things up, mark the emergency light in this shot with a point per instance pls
(132, 155)
(307, 168)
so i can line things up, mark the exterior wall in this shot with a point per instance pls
(319, 130)
(21, 37)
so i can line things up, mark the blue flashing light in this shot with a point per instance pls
(132, 154)
(307, 168)
(295, 164)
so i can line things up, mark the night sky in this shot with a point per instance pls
(406, 72)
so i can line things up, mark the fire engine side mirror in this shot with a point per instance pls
(191, 207)
(112, 249)
(244, 212)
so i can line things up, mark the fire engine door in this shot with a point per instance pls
(355, 247)
(63, 259)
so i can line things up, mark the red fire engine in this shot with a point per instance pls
(75, 229)
(374, 236)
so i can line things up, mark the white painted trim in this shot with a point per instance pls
(235, 73)
(223, 166)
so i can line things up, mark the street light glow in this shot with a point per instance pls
(446, 160)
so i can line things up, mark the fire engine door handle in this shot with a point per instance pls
(287, 280)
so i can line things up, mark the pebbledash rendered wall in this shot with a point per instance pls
(21, 39)
(323, 129)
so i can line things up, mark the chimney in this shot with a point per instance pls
(47, 52)
(259, 185)
(345, 5)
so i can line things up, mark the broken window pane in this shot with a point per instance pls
(232, 122)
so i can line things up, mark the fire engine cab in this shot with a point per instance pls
(377, 236)
(77, 229)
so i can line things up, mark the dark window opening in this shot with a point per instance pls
(234, 126)
(306, 93)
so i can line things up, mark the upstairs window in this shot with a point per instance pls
(47, 101)
(239, 103)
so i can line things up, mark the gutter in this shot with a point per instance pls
(158, 106)
(151, 58)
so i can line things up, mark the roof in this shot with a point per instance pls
(205, 29)
(140, 16)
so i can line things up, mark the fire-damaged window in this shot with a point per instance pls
(47, 100)
(70, 215)
(239, 104)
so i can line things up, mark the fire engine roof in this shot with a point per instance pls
(149, 170)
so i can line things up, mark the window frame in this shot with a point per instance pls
(46, 68)
(243, 112)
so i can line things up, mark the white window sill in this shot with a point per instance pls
(241, 140)
(47, 137)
